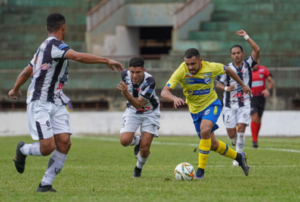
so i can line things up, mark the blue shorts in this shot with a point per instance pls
(212, 113)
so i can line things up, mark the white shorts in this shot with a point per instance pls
(231, 117)
(149, 122)
(46, 119)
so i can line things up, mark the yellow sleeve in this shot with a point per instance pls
(218, 69)
(176, 77)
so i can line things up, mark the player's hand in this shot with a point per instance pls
(122, 87)
(112, 63)
(178, 102)
(247, 90)
(230, 88)
(241, 33)
(266, 93)
(12, 93)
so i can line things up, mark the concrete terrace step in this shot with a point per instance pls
(31, 19)
(253, 26)
(255, 16)
(284, 6)
(230, 35)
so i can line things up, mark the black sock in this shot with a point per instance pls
(238, 157)
(200, 171)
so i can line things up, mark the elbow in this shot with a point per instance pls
(257, 50)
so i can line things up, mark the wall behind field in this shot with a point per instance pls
(275, 123)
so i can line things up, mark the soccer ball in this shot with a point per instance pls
(184, 172)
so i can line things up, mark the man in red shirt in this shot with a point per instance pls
(259, 90)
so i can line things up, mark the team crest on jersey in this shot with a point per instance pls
(261, 76)
(207, 80)
(206, 112)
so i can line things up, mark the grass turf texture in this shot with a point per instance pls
(100, 169)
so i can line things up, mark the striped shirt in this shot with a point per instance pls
(50, 72)
(145, 89)
(237, 98)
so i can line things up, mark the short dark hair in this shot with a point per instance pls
(189, 53)
(237, 46)
(136, 62)
(55, 21)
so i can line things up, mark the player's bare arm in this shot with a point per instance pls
(167, 95)
(266, 92)
(92, 59)
(255, 47)
(22, 78)
(137, 103)
(222, 87)
(235, 77)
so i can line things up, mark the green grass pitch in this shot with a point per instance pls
(98, 168)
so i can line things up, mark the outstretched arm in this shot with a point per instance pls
(22, 78)
(222, 87)
(167, 95)
(137, 103)
(92, 59)
(255, 47)
(235, 77)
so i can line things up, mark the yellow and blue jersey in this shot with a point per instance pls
(198, 89)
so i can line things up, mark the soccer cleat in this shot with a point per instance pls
(255, 145)
(136, 149)
(46, 188)
(233, 140)
(235, 163)
(244, 164)
(199, 174)
(137, 172)
(20, 158)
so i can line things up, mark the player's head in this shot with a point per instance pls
(56, 23)
(136, 68)
(237, 53)
(193, 60)
(255, 67)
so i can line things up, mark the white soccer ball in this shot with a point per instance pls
(184, 172)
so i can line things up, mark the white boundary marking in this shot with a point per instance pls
(111, 139)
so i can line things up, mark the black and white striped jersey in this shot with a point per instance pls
(237, 98)
(145, 89)
(50, 72)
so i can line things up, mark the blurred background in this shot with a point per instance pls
(159, 31)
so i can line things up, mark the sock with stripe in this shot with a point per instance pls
(204, 148)
(225, 150)
(141, 161)
(32, 149)
(135, 140)
(56, 163)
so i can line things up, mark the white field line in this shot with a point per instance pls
(111, 139)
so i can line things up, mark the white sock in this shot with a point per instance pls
(240, 143)
(141, 161)
(56, 163)
(31, 149)
(135, 140)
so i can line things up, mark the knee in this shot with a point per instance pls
(64, 146)
(205, 132)
(124, 141)
(47, 149)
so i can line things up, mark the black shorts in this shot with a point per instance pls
(258, 105)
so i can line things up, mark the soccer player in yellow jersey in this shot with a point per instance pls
(196, 77)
